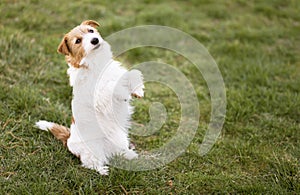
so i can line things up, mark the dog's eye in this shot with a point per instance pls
(90, 30)
(78, 41)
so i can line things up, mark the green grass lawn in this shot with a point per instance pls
(256, 45)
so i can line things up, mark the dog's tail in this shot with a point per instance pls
(62, 133)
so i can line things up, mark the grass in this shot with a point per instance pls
(256, 45)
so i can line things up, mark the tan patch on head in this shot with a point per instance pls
(63, 47)
(71, 45)
(91, 23)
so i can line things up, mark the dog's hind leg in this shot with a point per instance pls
(130, 154)
(90, 161)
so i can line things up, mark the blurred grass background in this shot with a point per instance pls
(256, 45)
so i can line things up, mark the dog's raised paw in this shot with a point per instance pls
(138, 92)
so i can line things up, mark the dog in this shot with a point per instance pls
(102, 92)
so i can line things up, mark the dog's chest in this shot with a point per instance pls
(72, 72)
(78, 76)
(99, 87)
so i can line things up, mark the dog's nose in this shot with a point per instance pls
(95, 41)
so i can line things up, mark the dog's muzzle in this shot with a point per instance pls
(95, 41)
(97, 47)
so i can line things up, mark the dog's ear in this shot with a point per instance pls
(91, 23)
(63, 47)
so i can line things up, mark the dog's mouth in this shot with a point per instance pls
(97, 47)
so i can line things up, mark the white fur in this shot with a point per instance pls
(101, 106)
(44, 125)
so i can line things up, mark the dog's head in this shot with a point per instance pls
(80, 41)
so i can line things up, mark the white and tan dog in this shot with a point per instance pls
(102, 91)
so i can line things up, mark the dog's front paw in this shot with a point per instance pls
(135, 83)
(138, 92)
